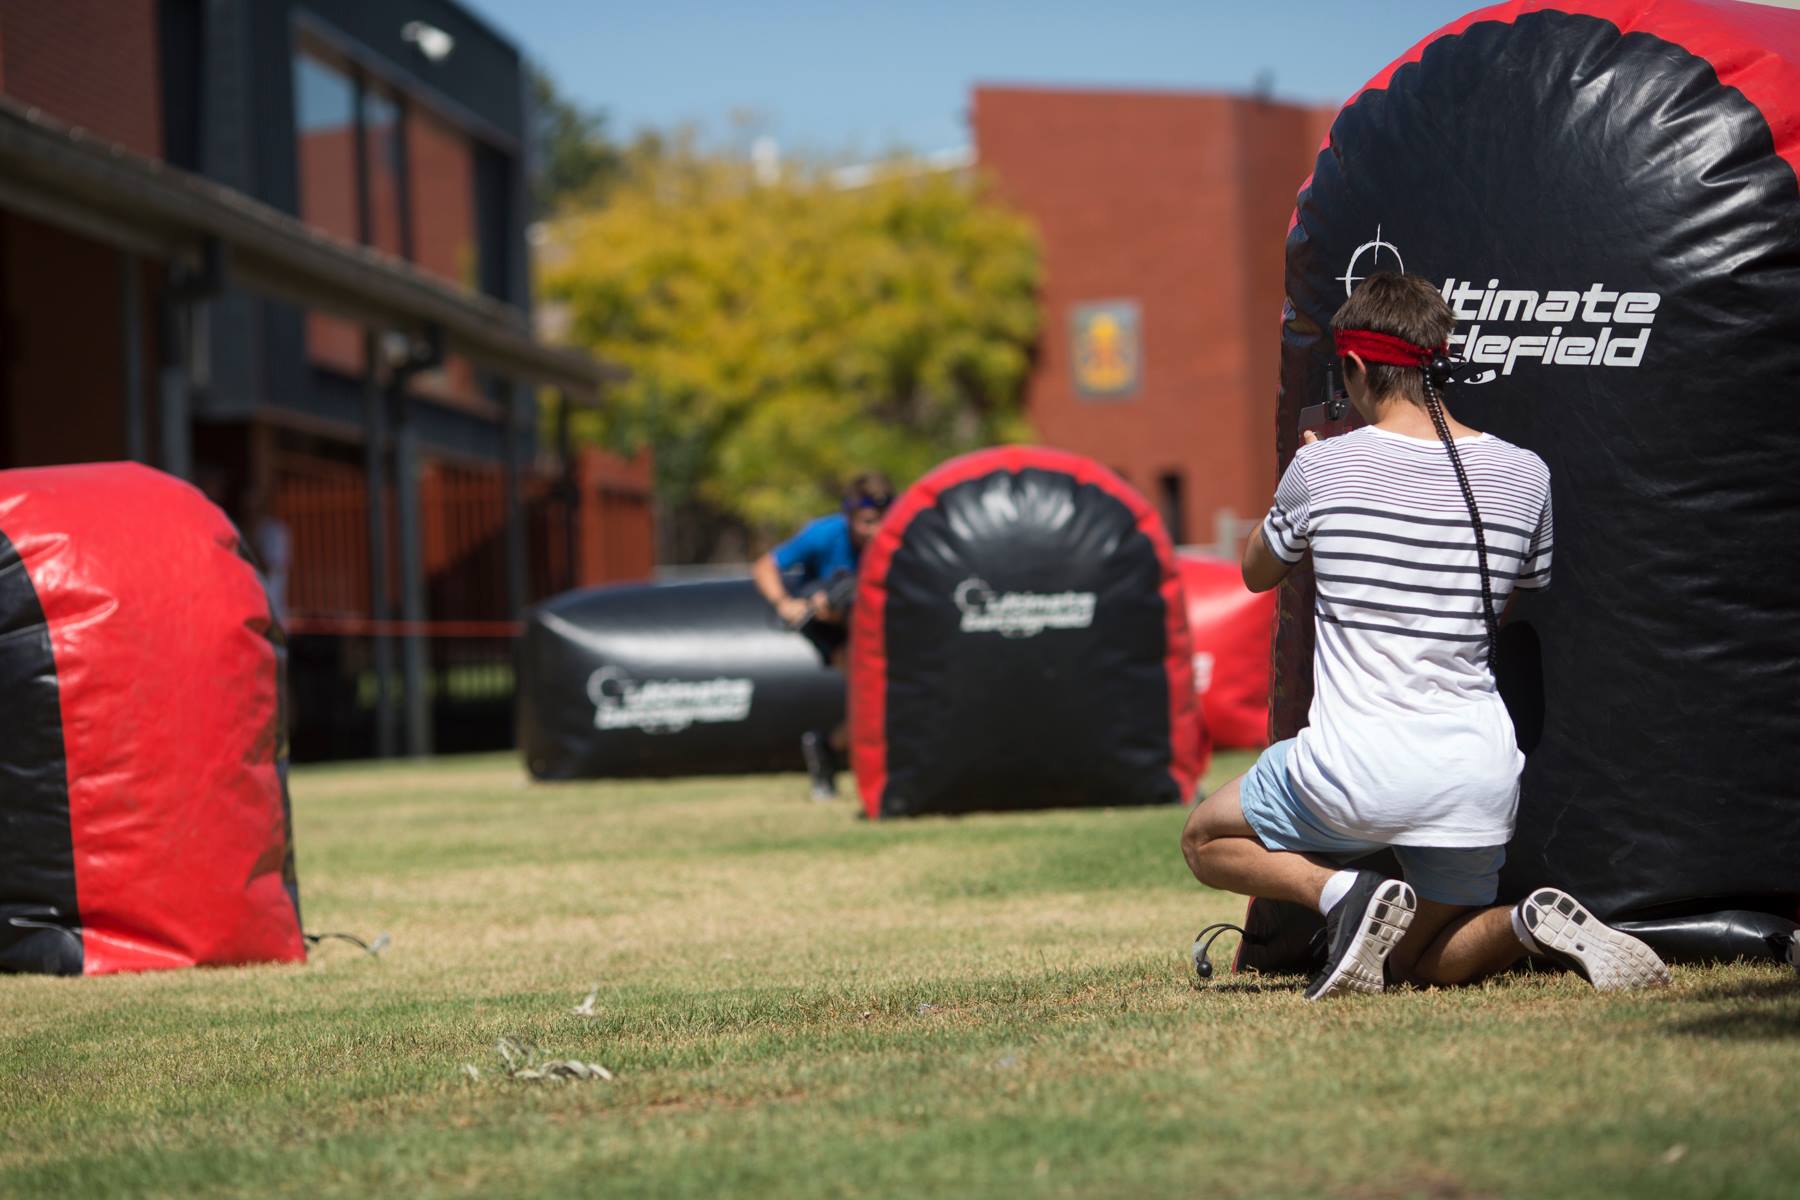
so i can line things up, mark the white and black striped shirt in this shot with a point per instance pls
(1408, 741)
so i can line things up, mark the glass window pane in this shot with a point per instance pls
(323, 97)
(381, 130)
(441, 160)
(443, 198)
(325, 129)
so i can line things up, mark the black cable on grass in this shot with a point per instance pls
(372, 949)
(1201, 954)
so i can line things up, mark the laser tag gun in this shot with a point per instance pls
(1326, 418)
(839, 592)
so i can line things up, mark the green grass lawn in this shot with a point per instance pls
(798, 1004)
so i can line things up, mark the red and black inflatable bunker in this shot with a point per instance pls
(1607, 191)
(1231, 628)
(1020, 641)
(143, 794)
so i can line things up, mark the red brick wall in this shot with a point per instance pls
(1277, 146)
(90, 63)
(1179, 201)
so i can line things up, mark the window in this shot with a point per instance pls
(1169, 503)
(442, 202)
(384, 168)
(325, 117)
(443, 198)
(325, 126)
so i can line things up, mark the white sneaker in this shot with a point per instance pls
(1567, 932)
(1362, 929)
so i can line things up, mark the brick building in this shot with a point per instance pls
(278, 247)
(1163, 217)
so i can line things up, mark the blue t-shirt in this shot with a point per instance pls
(819, 551)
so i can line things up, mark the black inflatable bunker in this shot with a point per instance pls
(1607, 192)
(1020, 641)
(668, 679)
(143, 764)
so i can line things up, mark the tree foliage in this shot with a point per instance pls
(783, 336)
(575, 160)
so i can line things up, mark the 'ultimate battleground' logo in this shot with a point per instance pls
(665, 705)
(1020, 614)
(1595, 326)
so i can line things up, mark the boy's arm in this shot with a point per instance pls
(1283, 538)
(1263, 569)
(767, 574)
(1534, 570)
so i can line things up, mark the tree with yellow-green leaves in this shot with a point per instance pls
(782, 336)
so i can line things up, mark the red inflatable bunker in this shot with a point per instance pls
(1020, 641)
(1232, 629)
(143, 793)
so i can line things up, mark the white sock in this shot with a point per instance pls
(1335, 889)
(1521, 932)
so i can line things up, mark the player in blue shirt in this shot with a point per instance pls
(810, 581)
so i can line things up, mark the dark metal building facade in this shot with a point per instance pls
(278, 247)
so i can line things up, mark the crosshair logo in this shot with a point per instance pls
(973, 595)
(1350, 278)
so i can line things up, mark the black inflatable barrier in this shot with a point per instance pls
(1607, 191)
(668, 679)
(1726, 935)
(1020, 641)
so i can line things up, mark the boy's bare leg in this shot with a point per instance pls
(1445, 944)
(1450, 944)
(1223, 852)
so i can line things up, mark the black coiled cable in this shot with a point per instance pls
(1434, 405)
(1201, 954)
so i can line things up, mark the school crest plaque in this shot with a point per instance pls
(1108, 351)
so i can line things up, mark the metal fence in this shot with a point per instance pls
(589, 526)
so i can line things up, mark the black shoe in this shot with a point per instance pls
(821, 765)
(1568, 933)
(1361, 930)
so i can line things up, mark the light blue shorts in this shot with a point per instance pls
(1449, 875)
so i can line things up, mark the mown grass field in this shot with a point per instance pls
(796, 1004)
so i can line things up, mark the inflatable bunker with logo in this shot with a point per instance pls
(1606, 190)
(143, 765)
(1231, 628)
(668, 679)
(1020, 641)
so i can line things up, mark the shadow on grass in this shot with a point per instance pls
(1240, 987)
(1750, 1009)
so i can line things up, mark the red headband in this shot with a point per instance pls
(1383, 348)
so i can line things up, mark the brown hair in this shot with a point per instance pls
(1402, 306)
(870, 489)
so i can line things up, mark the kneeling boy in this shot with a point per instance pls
(1420, 528)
